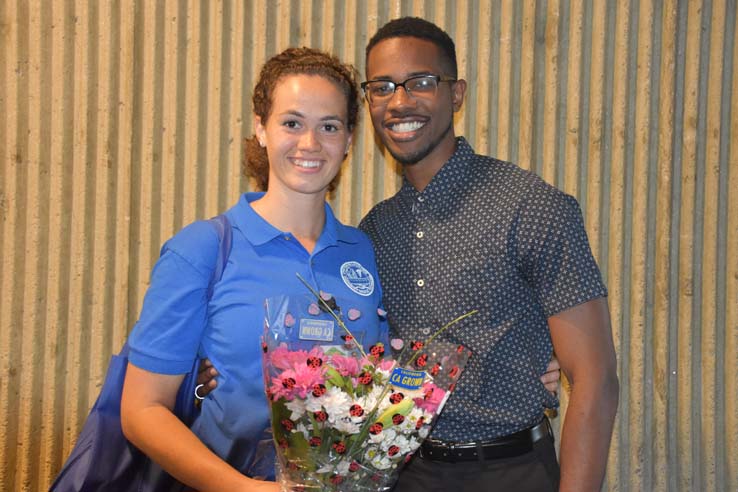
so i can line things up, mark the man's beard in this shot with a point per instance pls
(414, 158)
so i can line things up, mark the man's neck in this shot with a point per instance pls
(422, 172)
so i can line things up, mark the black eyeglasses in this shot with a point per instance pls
(379, 92)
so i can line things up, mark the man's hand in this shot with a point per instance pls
(206, 375)
(552, 377)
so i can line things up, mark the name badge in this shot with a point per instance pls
(407, 378)
(316, 329)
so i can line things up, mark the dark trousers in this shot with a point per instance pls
(537, 471)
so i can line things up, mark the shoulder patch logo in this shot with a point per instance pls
(357, 278)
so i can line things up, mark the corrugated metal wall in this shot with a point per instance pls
(120, 121)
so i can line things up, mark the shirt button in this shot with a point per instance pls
(419, 234)
(421, 282)
(425, 331)
(286, 238)
(421, 199)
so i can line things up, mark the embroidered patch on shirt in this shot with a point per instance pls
(357, 278)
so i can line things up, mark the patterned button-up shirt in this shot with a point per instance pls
(486, 235)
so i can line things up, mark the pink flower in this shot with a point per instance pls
(296, 382)
(433, 396)
(346, 366)
(282, 358)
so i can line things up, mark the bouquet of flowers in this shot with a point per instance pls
(345, 418)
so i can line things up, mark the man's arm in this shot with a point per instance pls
(582, 340)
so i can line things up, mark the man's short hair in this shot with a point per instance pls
(415, 27)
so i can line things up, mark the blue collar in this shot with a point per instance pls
(258, 231)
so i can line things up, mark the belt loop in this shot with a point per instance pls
(480, 452)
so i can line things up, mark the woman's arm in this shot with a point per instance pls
(148, 422)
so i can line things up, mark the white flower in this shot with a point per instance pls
(383, 437)
(336, 402)
(313, 404)
(342, 467)
(346, 425)
(297, 407)
(400, 441)
(304, 430)
(378, 459)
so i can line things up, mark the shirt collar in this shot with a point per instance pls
(258, 231)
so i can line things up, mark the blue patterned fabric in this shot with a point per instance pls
(486, 235)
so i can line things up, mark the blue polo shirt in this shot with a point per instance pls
(177, 323)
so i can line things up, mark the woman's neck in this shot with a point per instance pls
(301, 215)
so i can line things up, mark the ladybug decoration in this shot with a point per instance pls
(434, 370)
(339, 447)
(396, 397)
(416, 345)
(377, 350)
(365, 378)
(348, 341)
(289, 383)
(354, 466)
(336, 479)
(318, 390)
(428, 393)
(356, 410)
(419, 423)
(393, 450)
(328, 302)
(314, 362)
(320, 416)
(287, 424)
(398, 418)
(376, 428)
(454, 371)
(314, 441)
(422, 360)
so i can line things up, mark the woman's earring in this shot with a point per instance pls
(261, 144)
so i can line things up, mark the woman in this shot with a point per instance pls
(306, 107)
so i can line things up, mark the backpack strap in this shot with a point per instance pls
(222, 227)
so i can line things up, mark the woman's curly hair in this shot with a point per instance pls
(296, 61)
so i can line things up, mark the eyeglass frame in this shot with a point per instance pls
(437, 78)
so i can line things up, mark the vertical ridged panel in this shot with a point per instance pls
(120, 122)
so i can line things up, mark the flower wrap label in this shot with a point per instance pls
(316, 329)
(407, 378)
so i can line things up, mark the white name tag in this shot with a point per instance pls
(316, 329)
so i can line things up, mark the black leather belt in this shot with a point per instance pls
(502, 447)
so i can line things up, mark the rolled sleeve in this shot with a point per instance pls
(167, 335)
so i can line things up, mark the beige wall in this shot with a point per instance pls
(120, 121)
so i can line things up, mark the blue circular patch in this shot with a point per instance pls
(357, 278)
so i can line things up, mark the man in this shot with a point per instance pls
(470, 232)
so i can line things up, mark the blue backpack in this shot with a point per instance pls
(103, 459)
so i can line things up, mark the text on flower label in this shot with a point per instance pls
(316, 329)
(406, 378)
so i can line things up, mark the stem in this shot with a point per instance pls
(441, 330)
(332, 313)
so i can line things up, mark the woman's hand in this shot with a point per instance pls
(206, 381)
(551, 378)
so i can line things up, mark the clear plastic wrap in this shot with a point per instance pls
(347, 417)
